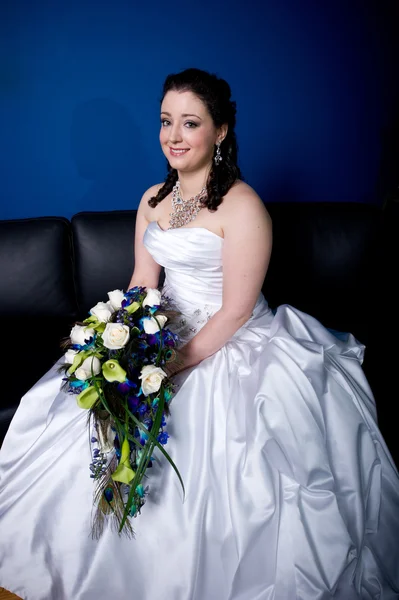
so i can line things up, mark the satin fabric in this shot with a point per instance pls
(291, 492)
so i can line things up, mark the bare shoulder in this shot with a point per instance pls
(144, 209)
(243, 205)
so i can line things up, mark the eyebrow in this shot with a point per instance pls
(184, 115)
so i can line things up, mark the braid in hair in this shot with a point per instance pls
(167, 187)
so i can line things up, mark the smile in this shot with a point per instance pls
(177, 152)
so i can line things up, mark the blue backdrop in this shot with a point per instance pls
(80, 82)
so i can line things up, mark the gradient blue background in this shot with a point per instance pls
(315, 84)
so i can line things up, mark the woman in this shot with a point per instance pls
(290, 489)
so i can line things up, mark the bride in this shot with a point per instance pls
(291, 492)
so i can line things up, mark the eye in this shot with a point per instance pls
(165, 122)
(190, 124)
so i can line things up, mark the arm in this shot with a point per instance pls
(246, 254)
(146, 270)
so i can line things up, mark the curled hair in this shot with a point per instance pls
(215, 93)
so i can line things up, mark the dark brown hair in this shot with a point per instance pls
(215, 93)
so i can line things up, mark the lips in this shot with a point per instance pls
(178, 151)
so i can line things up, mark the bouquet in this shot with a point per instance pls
(114, 366)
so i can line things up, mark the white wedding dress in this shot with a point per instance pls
(291, 492)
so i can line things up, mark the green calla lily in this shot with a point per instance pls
(112, 371)
(77, 361)
(124, 473)
(132, 307)
(87, 398)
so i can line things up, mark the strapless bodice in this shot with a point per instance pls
(192, 258)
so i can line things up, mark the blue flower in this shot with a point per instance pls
(163, 438)
(89, 343)
(125, 386)
(134, 292)
(142, 343)
(143, 409)
(140, 490)
(133, 402)
(148, 423)
(76, 387)
(79, 384)
(153, 339)
(143, 437)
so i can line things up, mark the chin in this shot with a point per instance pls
(179, 165)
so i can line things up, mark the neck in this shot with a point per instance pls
(192, 183)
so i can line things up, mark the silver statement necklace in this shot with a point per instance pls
(185, 211)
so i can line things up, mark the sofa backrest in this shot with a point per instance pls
(36, 269)
(104, 254)
(325, 261)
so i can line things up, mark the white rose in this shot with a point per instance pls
(150, 323)
(153, 297)
(90, 366)
(70, 355)
(115, 299)
(103, 311)
(151, 379)
(115, 336)
(79, 334)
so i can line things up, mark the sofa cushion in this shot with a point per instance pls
(28, 357)
(37, 302)
(104, 254)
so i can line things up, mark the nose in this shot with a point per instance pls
(175, 134)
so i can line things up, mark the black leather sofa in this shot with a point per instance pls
(336, 261)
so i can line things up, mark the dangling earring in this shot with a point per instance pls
(218, 156)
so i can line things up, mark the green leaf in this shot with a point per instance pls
(90, 320)
(132, 307)
(147, 452)
(99, 327)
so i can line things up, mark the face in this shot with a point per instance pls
(188, 134)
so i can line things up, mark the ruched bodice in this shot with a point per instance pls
(193, 262)
(192, 258)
